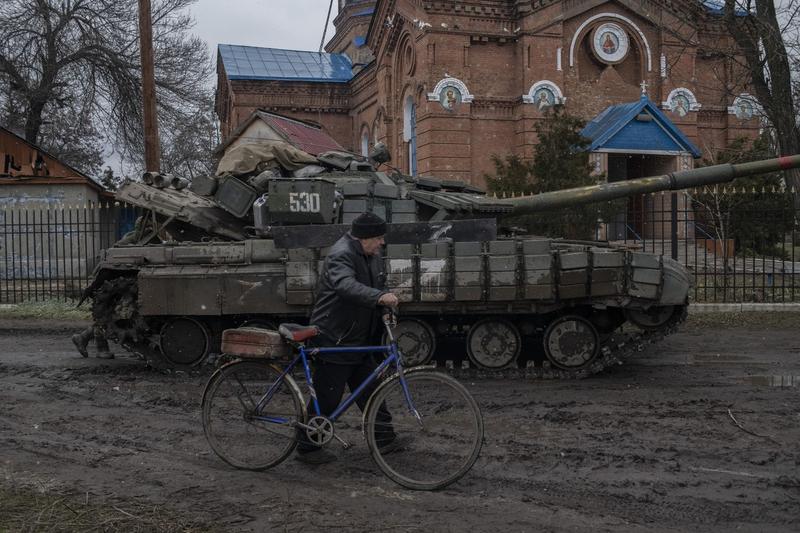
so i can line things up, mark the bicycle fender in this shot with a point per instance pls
(289, 380)
(385, 383)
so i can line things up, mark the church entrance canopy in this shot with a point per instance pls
(637, 127)
(634, 140)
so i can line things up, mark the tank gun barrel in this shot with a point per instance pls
(684, 179)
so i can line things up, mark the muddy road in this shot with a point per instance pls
(648, 446)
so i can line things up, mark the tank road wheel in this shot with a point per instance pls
(184, 341)
(571, 342)
(416, 341)
(652, 318)
(493, 343)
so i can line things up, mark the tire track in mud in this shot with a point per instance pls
(648, 446)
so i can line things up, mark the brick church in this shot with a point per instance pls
(446, 84)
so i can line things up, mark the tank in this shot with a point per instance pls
(245, 248)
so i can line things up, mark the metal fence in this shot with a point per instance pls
(50, 253)
(740, 246)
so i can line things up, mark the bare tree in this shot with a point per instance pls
(759, 36)
(189, 144)
(83, 56)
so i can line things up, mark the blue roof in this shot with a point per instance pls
(617, 128)
(717, 7)
(364, 12)
(255, 63)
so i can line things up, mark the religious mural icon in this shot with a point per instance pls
(680, 101)
(743, 108)
(450, 96)
(544, 98)
(680, 105)
(610, 43)
(543, 94)
(450, 92)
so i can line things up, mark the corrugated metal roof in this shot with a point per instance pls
(304, 136)
(617, 127)
(255, 63)
(717, 7)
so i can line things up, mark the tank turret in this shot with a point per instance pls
(245, 247)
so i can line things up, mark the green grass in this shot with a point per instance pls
(25, 509)
(50, 309)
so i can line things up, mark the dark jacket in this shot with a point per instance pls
(346, 309)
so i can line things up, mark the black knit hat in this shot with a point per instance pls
(368, 225)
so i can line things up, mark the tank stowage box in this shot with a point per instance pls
(306, 201)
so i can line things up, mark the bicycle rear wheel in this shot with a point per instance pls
(434, 450)
(235, 425)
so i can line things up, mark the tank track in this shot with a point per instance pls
(614, 351)
(115, 308)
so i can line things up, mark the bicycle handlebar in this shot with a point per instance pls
(390, 321)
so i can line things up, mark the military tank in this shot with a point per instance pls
(245, 247)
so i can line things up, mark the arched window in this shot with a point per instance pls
(410, 132)
(365, 141)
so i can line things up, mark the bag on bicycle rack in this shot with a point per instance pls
(255, 343)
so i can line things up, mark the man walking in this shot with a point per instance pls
(350, 299)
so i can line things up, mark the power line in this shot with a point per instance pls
(325, 29)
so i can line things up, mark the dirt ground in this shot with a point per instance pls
(648, 446)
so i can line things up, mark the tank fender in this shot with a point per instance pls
(677, 283)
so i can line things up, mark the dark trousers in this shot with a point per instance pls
(329, 381)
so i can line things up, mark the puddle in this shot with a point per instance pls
(771, 381)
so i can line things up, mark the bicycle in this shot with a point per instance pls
(252, 409)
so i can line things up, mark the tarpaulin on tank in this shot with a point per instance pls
(248, 158)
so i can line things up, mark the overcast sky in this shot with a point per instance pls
(288, 24)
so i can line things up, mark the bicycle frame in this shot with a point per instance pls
(394, 357)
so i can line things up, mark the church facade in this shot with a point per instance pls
(446, 84)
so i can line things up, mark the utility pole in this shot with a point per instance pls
(152, 151)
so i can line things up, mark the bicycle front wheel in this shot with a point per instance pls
(430, 442)
(245, 426)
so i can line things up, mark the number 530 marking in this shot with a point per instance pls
(304, 202)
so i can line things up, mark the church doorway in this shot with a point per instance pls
(642, 219)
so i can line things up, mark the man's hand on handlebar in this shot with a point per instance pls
(388, 300)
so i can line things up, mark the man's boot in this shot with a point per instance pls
(81, 341)
(103, 351)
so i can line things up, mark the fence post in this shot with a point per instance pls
(674, 224)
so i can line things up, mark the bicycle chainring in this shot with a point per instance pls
(320, 430)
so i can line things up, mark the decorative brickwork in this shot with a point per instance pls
(512, 61)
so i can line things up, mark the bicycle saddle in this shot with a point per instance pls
(297, 333)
